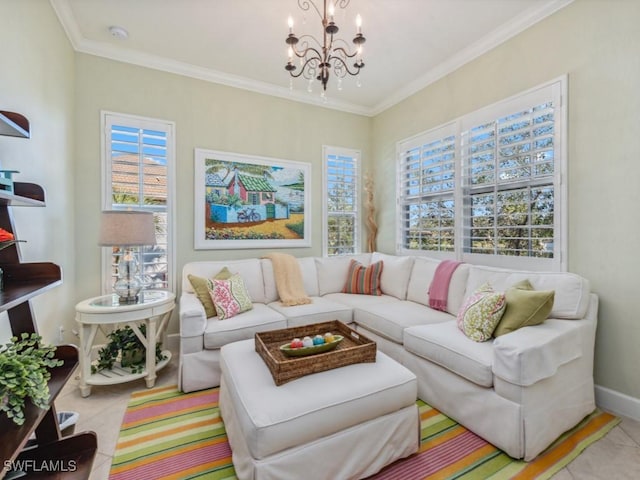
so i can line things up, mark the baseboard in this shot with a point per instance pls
(172, 342)
(617, 403)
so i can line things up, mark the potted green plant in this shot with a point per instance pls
(125, 345)
(24, 374)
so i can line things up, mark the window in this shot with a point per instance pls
(428, 191)
(487, 187)
(341, 212)
(138, 167)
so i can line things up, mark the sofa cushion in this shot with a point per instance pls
(363, 280)
(395, 274)
(525, 307)
(309, 278)
(332, 271)
(250, 270)
(259, 319)
(230, 297)
(390, 319)
(571, 291)
(481, 312)
(354, 300)
(321, 309)
(445, 345)
(273, 419)
(421, 276)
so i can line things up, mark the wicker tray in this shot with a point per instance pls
(355, 348)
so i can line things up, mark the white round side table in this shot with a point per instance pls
(103, 313)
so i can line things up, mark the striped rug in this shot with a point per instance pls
(450, 451)
(166, 434)
(169, 435)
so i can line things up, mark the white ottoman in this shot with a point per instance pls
(345, 423)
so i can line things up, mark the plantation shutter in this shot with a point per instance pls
(341, 179)
(427, 190)
(509, 177)
(137, 177)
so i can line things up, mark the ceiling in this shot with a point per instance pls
(410, 43)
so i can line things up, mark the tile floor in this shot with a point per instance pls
(615, 457)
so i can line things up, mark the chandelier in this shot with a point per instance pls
(319, 59)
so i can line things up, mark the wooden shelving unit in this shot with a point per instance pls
(72, 455)
(14, 125)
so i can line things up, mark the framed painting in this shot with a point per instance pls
(246, 201)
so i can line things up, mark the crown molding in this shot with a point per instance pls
(474, 51)
(164, 64)
(495, 38)
(68, 21)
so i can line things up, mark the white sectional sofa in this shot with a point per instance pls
(519, 391)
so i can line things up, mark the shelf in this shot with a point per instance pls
(14, 125)
(120, 374)
(23, 281)
(71, 458)
(14, 437)
(25, 195)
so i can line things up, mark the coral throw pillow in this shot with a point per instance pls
(230, 297)
(481, 312)
(202, 288)
(363, 280)
(525, 307)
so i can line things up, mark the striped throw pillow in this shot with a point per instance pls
(363, 280)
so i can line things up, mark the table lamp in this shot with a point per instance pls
(126, 229)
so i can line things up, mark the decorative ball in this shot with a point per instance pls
(307, 342)
(328, 337)
(318, 340)
(296, 343)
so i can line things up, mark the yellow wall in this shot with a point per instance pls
(37, 80)
(207, 116)
(593, 41)
(597, 44)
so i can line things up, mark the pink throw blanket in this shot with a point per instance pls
(439, 288)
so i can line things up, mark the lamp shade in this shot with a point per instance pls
(127, 228)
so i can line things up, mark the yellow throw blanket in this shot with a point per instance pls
(288, 279)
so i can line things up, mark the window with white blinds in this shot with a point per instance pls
(509, 187)
(138, 170)
(488, 186)
(427, 189)
(341, 212)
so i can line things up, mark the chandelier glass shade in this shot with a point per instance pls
(319, 58)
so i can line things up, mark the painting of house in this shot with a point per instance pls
(214, 186)
(252, 190)
(249, 198)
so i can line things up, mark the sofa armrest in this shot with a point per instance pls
(193, 319)
(531, 354)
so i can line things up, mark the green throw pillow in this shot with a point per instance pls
(202, 287)
(223, 274)
(525, 307)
